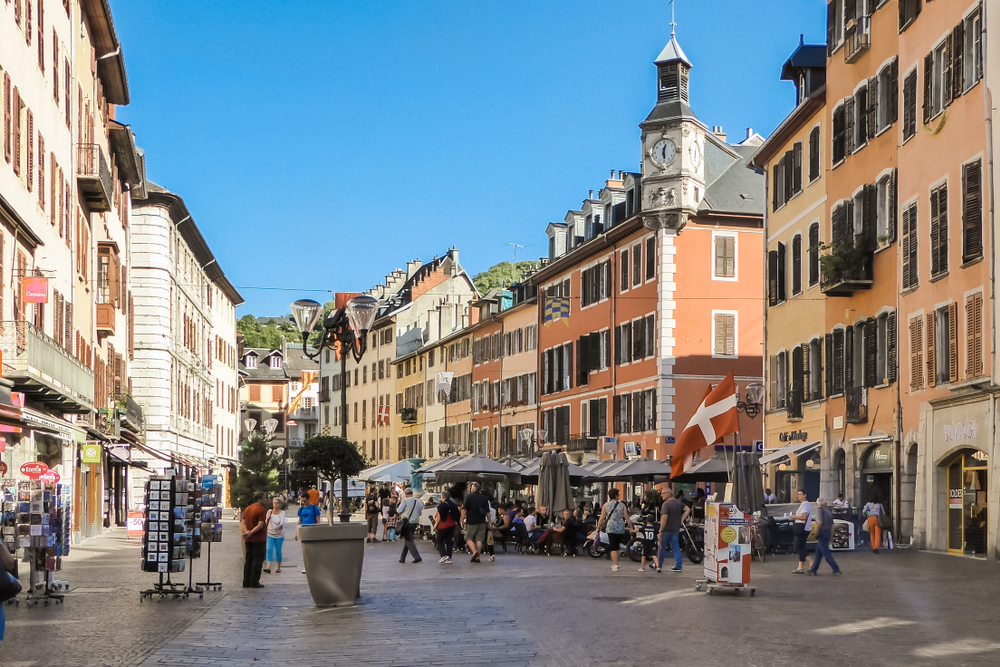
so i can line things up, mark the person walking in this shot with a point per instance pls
(475, 512)
(254, 534)
(409, 515)
(308, 516)
(444, 522)
(672, 515)
(825, 519)
(275, 535)
(616, 521)
(873, 510)
(391, 518)
(372, 510)
(801, 528)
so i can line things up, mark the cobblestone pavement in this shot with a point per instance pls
(898, 608)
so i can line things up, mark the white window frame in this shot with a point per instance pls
(858, 112)
(969, 59)
(937, 83)
(736, 256)
(736, 334)
(882, 212)
(883, 82)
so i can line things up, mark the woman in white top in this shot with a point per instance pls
(801, 528)
(275, 535)
(873, 510)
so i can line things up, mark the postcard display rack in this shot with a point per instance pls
(172, 536)
(35, 518)
(211, 523)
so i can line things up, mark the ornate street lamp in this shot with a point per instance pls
(754, 400)
(348, 326)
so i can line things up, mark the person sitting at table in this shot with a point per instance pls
(841, 502)
(530, 520)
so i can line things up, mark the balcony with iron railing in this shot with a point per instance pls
(408, 415)
(93, 177)
(846, 268)
(43, 370)
(857, 405)
(857, 38)
(324, 395)
(581, 443)
(303, 413)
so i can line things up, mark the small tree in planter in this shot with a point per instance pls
(258, 471)
(334, 458)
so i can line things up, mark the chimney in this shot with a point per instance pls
(612, 174)
(453, 253)
(717, 131)
(590, 194)
(749, 133)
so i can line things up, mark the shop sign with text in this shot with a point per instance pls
(35, 289)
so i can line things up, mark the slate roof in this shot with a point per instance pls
(672, 51)
(263, 372)
(736, 188)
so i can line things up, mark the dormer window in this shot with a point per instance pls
(275, 361)
(250, 361)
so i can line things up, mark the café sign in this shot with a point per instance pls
(793, 436)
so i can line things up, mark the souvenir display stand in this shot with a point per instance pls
(727, 549)
(36, 516)
(211, 523)
(169, 535)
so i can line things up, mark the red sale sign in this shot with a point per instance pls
(34, 469)
(49, 476)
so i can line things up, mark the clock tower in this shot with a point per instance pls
(673, 147)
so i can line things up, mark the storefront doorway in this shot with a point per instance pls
(876, 477)
(809, 465)
(967, 524)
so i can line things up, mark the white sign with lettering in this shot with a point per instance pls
(960, 431)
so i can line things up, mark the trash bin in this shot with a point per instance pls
(333, 555)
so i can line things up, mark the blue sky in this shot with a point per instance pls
(319, 145)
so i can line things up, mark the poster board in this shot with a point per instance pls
(727, 544)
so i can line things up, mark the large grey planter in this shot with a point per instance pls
(333, 555)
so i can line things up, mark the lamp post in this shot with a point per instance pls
(754, 400)
(348, 326)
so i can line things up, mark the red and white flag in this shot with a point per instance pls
(714, 418)
(383, 414)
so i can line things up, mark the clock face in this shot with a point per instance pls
(664, 151)
(695, 154)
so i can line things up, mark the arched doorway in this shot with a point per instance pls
(968, 472)
(840, 471)
(809, 468)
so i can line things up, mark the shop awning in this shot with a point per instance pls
(796, 448)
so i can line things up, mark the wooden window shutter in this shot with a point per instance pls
(797, 264)
(972, 211)
(623, 286)
(892, 113)
(838, 361)
(848, 126)
(839, 226)
(813, 253)
(795, 375)
(814, 154)
(939, 230)
(730, 322)
(650, 261)
(68, 326)
(872, 106)
(828, 344)
(41, 35)
(6, 118)
(910, 105)
(29, 176)
(848, 361)
(916, 354)
(957, 81)
(819, 368)
(41, 172)
(831, 26)
(776, 188)
(890, 348)
(947, 70)
(928, 77)
(891, 198)
(772, 383)
(931, 366)
(720, 256)
(804, 381)
(907, 240)
(772, 277)
(869, 217)
(650, 335)
(618, 347)
(781, 271)
(797, 168)
(871, 352)
(973, 335)
(720, 333)
(255, 392)
(16, 116)
(953, 342)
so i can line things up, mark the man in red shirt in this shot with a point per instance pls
(255, 535)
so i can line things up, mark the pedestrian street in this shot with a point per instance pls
(901, 607)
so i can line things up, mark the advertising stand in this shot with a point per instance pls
(727, 549)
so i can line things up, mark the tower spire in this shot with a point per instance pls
(673, 23)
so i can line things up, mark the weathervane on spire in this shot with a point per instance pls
(673, 23)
